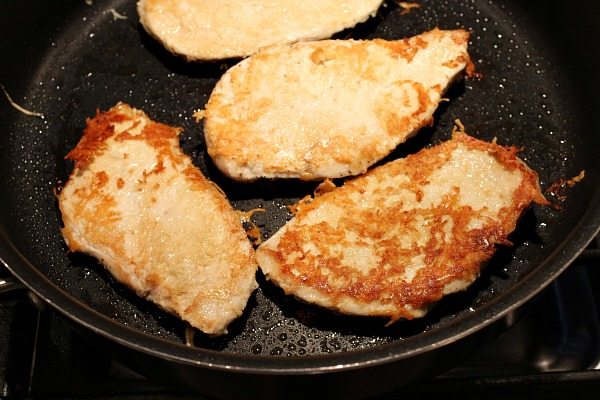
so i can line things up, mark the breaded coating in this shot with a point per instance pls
(212, 30)
(328, 109)
(135, 201)
(394, 241)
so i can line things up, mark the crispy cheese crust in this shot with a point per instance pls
(210, 30)
(136, 202)
(328, 109)
(396, 240)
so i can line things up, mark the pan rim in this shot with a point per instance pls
(94, 321)
(558, 260)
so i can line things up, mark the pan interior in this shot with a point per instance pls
(102, 56)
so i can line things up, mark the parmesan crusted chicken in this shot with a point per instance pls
(328, 109)
(209, 29)
(136, 202)
(396, 240)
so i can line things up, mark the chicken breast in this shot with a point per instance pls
(209, 30)
(136, 202)
(328, 109)
(396, 240)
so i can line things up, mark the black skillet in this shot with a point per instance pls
(538, 61)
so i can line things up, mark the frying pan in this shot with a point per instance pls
(538, 89)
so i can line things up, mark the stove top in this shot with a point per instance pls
(551, 350)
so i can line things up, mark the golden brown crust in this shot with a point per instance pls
(97, 131)
(101, 128)
(389, 222)
(328, 109)
(136, 202)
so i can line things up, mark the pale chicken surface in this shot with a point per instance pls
(209, 29)
(394, 241)
(136, 202)
(331, 108)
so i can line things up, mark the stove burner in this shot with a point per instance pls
(550, 350)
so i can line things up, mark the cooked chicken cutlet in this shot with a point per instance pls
(328, 109)
(136, 202)
(394, 241)
(210, 30)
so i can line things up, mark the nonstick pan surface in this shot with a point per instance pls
(67, 59)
